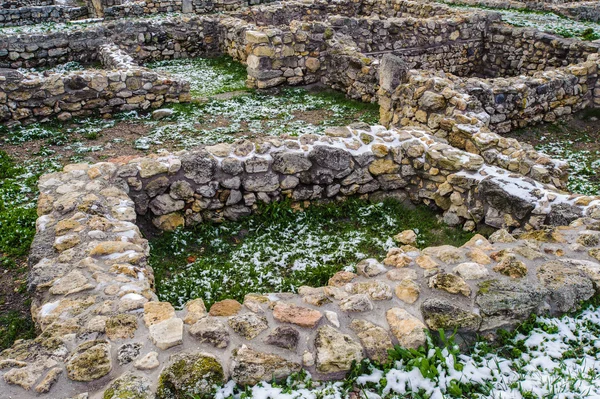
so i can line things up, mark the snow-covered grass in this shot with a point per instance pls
(207, 76)
(280, 250)
(574, 141)
(543, 359)
(247, 116)
(545, 21)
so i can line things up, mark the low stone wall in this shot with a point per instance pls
(458, 108)
(145, 39)
(40, 14)
(25, 3)
(352, 73)
(513, 51)
(125, 86)
(105, 333)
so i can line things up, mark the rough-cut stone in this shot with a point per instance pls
(376, 290)
(249, 367)
(228, 307)
(374, 339)
(248, 325)
(356, 303)
(401, 274)
(129, 386)
(195, 311)
(284, 337)
(569, 287)
(503, 303)
(341, 278)
(335, 351)
(408, 330)
(155, 312)
(441, 313)
(289, 313)
(211, 330)
(397, 258)
(370, 268)
(128, 352)
(407, 291)
(167, 333)
(471, 271)
(90, 361)
(450, 283)
(407, 237)
(148, 362)
(189, 374)
(121, 326)
(512, 267)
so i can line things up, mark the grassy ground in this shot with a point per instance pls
(207, 76)
(575, 140)
(18, 194)
(279, 249)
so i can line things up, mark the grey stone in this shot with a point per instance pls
(249, 367)
(441, 313)
(284, 337)
(198, 166)
(331, 158)
(290, 163)
(164, 204)
(211, 330)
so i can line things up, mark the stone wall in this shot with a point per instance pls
(94, 294)
(456, 108)
(513, 51)
(25, 3)
(125, 86)
(145, 40)
(40, 14)
(226, 181)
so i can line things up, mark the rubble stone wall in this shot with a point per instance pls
(514, 51)
(32, 15)
(124, 86)
(453, 106)
(104, 332)
(25, 3)
(226, 181)
(145, 40)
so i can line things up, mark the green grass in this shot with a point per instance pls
(14, 326)
(18, 196)
(578, 147)
(279, 250)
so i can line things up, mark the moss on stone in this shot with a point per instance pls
(190, 374)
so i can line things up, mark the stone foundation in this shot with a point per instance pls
(124, 86)
(102, 331)
(103, 328)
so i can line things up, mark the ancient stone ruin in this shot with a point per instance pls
(449, 84)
